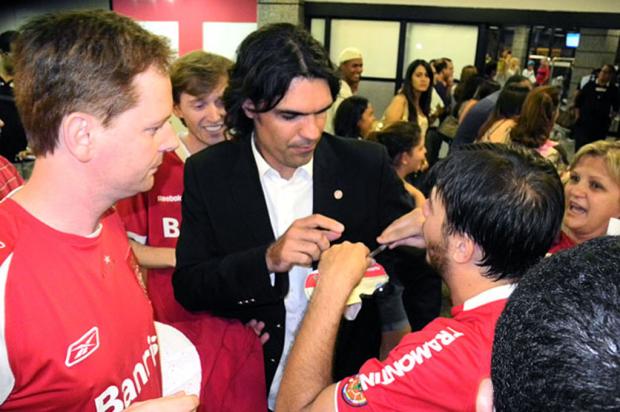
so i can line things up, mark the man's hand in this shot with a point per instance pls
(179, 402)
(303, 242)
(258, 327)
(343, 266)
(406, 230)
(310, 362)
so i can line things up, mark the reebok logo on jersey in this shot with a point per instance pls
(169, 198)
(83, 347)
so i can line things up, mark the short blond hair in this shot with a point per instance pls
(80, 61)
(607, 150)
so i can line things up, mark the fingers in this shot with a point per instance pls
(258, 328)
(303, 242)
(318, 221)
(407, 229)
(344, 265)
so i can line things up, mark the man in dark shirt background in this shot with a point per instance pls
(13, 139)
(593, 105)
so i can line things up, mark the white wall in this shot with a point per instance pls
(597, 6)
(457, 42)
(379, 56)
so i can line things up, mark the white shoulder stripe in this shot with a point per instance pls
(7, 379)
(136, 237)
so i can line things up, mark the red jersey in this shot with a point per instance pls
(231, 355)
(10, 178)
(78, 328)
(564, 242)
(153, 218)
(436, 369)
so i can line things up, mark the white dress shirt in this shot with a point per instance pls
(287, 201)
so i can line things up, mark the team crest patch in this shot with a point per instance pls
(352, 392)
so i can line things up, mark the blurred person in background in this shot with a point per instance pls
(595, 105)
(504, 117)
(10, 179)
(530, 71)
(413, 102)
(354, 118)
(350, 69)
(533, 129)
(13, 139)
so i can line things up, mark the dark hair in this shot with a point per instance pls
(508, 200)
(556, 342)
(486, 88)
(80, 61)
(348, 116)
(466, 91)
(490, 69)
(267, 61)
(508, 106)
(198, 73)
(7, 38)
(610, 67)
(441, 65)
(537, 117)
(398, 138)
(468, 71)
(515, 78)
(425, 98)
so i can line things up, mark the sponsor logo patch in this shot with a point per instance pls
(83, 347)
(169, 198)
(352, 392)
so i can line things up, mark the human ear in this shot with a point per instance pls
(177, 111)
(76, 133)
(249, 109)
(464, 248)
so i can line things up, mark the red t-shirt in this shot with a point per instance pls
(564, 242)
(153, 218)
(78, 328)
(436, 369)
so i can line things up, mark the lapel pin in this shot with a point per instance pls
(338, 194)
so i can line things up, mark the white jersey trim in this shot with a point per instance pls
(136, 237)
(490, 295)
(7, 379)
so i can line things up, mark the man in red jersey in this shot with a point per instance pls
(94, 95)
(231, 355)
(153, 218)
(492, 213)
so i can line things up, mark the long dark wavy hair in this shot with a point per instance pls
(425, 98)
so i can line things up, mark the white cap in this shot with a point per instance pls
(349, 53)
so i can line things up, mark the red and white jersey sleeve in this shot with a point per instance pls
(436, 369)
(134, 214)
(154, 218)
(77, 328)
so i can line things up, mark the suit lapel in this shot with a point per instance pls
(247, 192)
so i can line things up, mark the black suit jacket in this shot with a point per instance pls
(226, 230)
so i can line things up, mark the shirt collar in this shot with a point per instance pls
(264, 168)
(488, 296)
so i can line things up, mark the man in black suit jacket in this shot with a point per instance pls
(234, 258)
